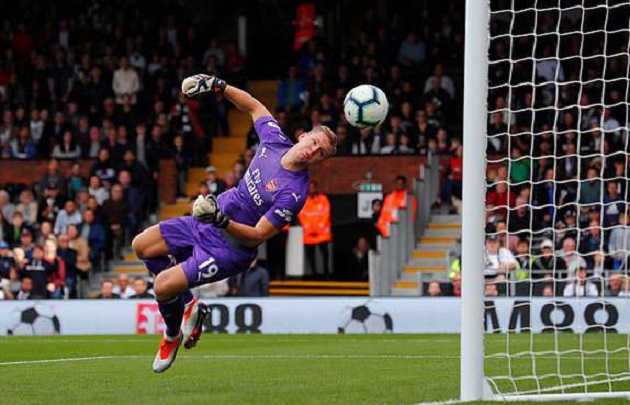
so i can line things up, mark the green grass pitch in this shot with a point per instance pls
(269, 369)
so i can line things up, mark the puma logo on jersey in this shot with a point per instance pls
(296, 196)
(263, 151)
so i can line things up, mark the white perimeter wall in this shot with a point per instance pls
(314, 315)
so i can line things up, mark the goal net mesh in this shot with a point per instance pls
(557, 238)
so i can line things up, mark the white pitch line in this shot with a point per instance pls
(242, 357)
(66, 360)
(447, 402)
(213, 337)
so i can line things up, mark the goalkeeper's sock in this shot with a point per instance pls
(187, 297)
(172, 311)
(157, 264)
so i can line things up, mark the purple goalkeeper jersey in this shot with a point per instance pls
(267, 189)
(209, 254)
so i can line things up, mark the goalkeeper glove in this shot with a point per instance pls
(207, 210)
(197, 84)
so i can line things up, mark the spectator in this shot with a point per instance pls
(411, 50)
(115, 215)
(405, 147)
(491, 290)
(107, 291)
(215, 185)
(592, 239)
(548, 266)
(67, 216)
(138, 172)
(69, 258)
(94, 234)
(53, 175)
(51, 203)
(6, 206)
(359, 268)
(499, 261)
(434, 289)
(140, 287)
(27, 207)
(182, 163)
(590, 190)
(619, 243)
(290, 92)
(452, 185)
(15, 230)
(569, 255)
(315, 220)
(122, 287)
(45, 233)
(75, 182)
(615, 284)
(445, 81)
(456, 285)
(26, 289)
(96, 190)
(38, 271)
(76, 242)
(581, 286)
(6, 261)
(252, 283)
(104, 169)
(22, 147)
(125, 82)
(439, 97)
(68, 149)
(391, 145)
(614, 204)
(57, 270)
(26, 242)
(83, 199)
(368, 143)
(500, 200)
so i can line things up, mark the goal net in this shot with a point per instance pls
(557, 230)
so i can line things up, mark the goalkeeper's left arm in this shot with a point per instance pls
(242, 100)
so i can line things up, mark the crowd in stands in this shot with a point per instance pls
(103, 92)
(414, 73)
(559, 163)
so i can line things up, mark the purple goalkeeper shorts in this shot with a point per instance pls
(203, 250)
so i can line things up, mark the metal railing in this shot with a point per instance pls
(387, 261)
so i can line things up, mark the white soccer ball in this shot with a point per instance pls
(365, 106)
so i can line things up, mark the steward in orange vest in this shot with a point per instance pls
(315, 220)
(392, 203)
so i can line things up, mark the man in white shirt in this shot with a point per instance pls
(499, 260)
(581, 286)
(125, 82)
(67, 216)
(123, 288)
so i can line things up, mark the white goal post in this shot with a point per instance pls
(562, 364)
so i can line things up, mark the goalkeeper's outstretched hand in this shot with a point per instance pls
(197, 84)
(207, 210)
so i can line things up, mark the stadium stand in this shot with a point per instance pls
(90, 87)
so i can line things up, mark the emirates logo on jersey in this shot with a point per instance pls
(271, 186)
